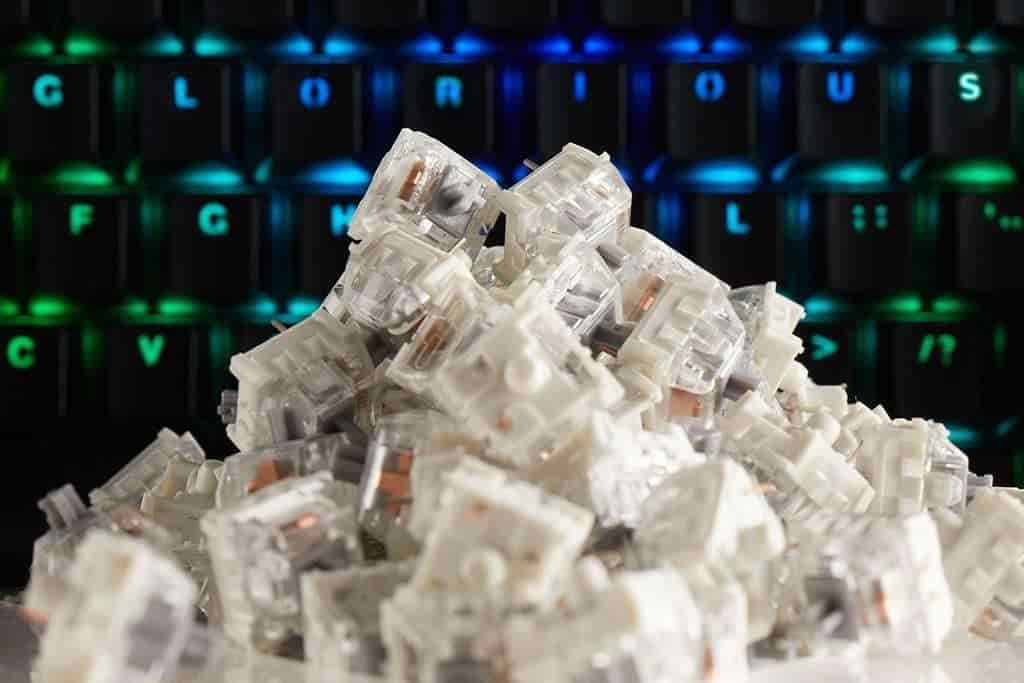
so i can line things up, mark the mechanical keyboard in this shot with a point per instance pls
(176, 175)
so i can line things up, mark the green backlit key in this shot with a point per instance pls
(990, 242)
(84, 245)
(935, 369)
(34, 370)
(155, 370)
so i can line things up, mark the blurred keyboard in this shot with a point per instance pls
(175, 175)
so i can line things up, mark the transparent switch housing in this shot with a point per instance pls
(428, 191)
(260, 545)
(143, 471)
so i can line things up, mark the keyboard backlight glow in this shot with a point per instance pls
(942, 41)
(81, 174)
(686, 43)
(722, 172)
(338, 45)
(86, 45)
(553, 46)
(303, 306)
(213, 44)
(812, 41)
(35, 46)
(344, 172)
(980, 173)
(211, 175)
(260, 307)
(177, 306)
(851, 173)
(470, 45)
(901, 304)
(8, 308)
(949, 305)
(49, 306)
(599, 44)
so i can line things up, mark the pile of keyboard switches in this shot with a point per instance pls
(577, 457)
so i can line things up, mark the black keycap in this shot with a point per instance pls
(841, 110)
(440, 99)
(523, 15)
(116, 17)
(373, 15)
(8, 260)
(15, 16)
(81, 245)
(908, 13)
(154, 370)
(970, 113)
(644, 14)
(316, 111)
(934, 370)
(737, 237)
(187, 112)
(990, 242)
(34, 368)
(322, 241)
(711, 110)
(57, 111)
(213, 246)
(829, 350)
(244, 16)
(1010, 13)
(773, 15)
(868, 241)
(581, 103)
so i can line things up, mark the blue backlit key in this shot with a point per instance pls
(581, 103)
(990, 242)
(440, 99)
(829, 350)
(936, 370)
(322, 241)
(266, 17)
(711, 110)
(316, 111)
(841, 111)
(84, 245)
(868, 240)
(115, 17)
(737, 237)
(970, 110)
(34, 368)
(213, 245)
(155, 370)
(187, 111)
(58, 111)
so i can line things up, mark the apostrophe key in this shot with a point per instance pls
(990, 242)
(841, 110)
(439, 99)
(154, 370)
(737, 237)
(712, 110)
(187, 111)
(58, 111)
(970, 113)
(322, 241)
(116, 17)
(213, 245)
(868, 240)
(82, 245)
(581, 103)
(34, 367)
(317, 111)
